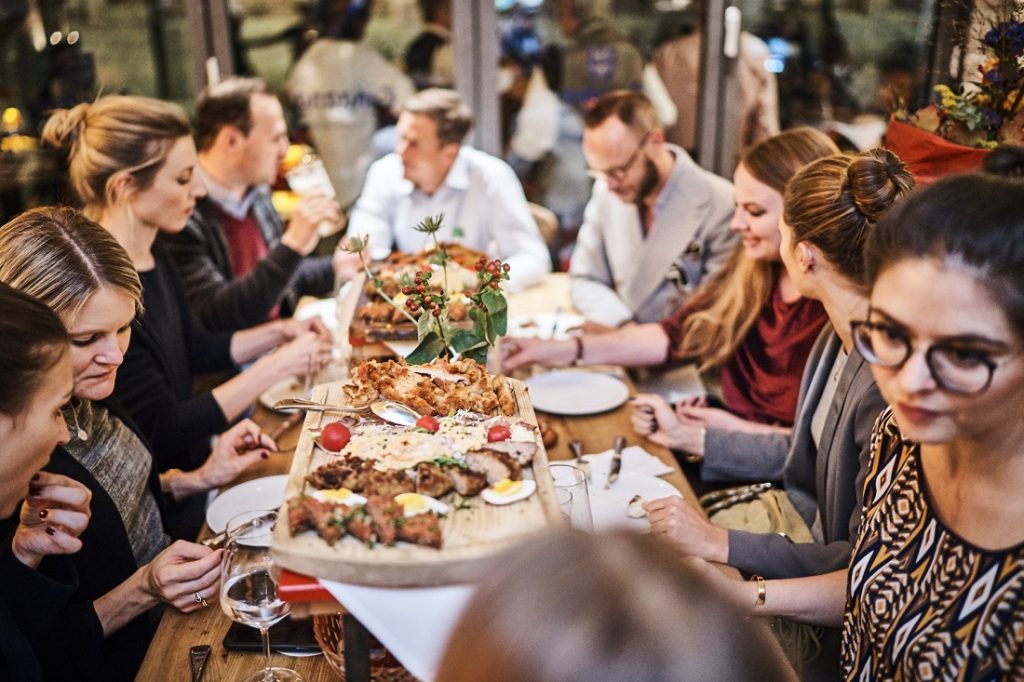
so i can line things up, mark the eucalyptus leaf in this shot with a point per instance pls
(477, 354)
(464, 340)
(424, 324)
(430, 348)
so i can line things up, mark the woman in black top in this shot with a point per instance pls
(35, 382)
(132, 161)
(127, 565)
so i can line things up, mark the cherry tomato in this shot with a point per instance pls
(428, 422)
(498, 432)
(335, 436)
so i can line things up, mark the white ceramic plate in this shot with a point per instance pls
(259, 493)
(608, 507)
(576, 392)
(544, 326)
(326, 309)
(290, 387)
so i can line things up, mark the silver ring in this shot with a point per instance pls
(200, 600)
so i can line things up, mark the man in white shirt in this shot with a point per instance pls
(656, 224)
(432, 172)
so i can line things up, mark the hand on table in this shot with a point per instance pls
(307, 351)
(687, 529)
(181, 571)
(653, 418)
(53, 515)
(301, 234)
(291, 328)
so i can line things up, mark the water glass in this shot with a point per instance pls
(572, 479)
(248, 587)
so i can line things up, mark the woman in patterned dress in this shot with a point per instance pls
(935, 588)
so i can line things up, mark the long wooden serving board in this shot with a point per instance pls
(472, 534)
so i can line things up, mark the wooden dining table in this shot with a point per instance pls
(167, 658)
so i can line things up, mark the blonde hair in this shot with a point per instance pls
(113, 135)
(720, 314)
(62, 258)
(573, 606)
(835, 202)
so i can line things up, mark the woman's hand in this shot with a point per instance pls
(653, 418)
(180, 572)
(291, 328)
(709, 417)
(688, 530)
(525, 352)
(302, 232)
(236, 450)
(309, 351)
(53, 515)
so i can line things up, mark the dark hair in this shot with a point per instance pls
(32, 341)
(226, 104)
(618, 606)
(431, 8)
(975, 219)
(1006, 160)
(632, 108)
(454, 118)
(834, 203)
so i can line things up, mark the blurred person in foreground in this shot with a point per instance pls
(656, 224)
(239, 262)
(572, 606)
(432, 172)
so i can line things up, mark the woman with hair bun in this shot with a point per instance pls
(831, 206)
(934, 588)
(132, 161)
(35, 580)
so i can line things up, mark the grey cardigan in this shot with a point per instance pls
(825, 485)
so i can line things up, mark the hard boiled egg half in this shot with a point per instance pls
(414, 503)
(507, 492)
(340, 496)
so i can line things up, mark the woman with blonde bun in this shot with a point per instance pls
(132, 161)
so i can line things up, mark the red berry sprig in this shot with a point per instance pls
(419, 295)
(490, 274)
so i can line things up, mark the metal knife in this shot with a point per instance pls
(197, 657)
(613, 472)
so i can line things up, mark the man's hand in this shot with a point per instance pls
(301, 234)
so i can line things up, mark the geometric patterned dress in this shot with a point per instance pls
(924, 604)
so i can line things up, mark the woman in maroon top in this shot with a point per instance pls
(748, 322)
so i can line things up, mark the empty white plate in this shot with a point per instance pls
(259, 493)
(576, 392)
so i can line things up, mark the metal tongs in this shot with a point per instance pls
(314, 406)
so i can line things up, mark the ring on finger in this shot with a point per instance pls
(200, 600)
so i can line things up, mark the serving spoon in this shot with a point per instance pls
(387, 410)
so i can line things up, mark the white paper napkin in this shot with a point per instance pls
(634, 459)
(414, 623)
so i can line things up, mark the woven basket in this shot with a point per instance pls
(330, 635)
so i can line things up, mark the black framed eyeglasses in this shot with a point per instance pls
(619, 172)
(954, 367)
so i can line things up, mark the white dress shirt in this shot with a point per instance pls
(481, 197)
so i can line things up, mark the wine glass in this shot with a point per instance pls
(248, 587)
(310, 178)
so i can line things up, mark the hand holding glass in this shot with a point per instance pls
(248, 592)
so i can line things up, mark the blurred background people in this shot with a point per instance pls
(577, 607)
(344, 91)
(429, 60)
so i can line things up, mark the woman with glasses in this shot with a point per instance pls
(934, 588)
(133, 163)
(749, 322)
(830, 207)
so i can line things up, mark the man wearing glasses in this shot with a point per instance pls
(656, 224)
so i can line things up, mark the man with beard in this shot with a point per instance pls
(656, 224)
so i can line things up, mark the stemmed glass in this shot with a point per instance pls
(248, 587)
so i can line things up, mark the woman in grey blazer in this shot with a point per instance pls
(830, 205)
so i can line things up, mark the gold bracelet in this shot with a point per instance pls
(760, 589)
